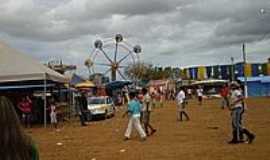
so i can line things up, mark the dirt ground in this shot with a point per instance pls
(204, 137)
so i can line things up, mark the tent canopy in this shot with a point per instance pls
(16, 66)
(210, 81)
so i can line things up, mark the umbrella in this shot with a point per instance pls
(85, 84)
(118, 84)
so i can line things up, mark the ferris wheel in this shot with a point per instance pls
(112, 56)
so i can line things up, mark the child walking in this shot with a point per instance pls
(134, 109)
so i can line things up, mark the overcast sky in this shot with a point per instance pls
(171, 32)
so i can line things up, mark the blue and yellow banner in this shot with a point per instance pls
(239, 70)
(193, 72)
(255, 69)
(201, 73)
(247, 70)
(209, 72)
(225, 71)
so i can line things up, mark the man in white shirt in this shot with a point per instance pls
(200, 94)
(237, 108)
(189, 90)
(146, 110)
(180, 98)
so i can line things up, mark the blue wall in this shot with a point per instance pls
(256, 89)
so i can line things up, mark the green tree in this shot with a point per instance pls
(138, 71)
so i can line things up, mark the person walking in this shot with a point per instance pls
(80, 108)
(189, 91)
(153, 98)
(200, 95)
(161, 97)
(224, 93)
(181, 105)
(146, 110)
(236, 107)
(133, 111)
(139, 98)
(15, 144)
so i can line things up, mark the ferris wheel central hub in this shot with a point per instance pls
(115, 65)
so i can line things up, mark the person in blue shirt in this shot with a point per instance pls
(134, 113)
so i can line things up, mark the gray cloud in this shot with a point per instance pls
(171, 32)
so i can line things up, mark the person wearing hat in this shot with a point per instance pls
(236, 108)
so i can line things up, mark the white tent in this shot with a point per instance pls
(18, 67)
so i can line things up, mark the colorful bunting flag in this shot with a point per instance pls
(201, 73)
(247, 70)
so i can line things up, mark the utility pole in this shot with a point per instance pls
(245, 76)
(232, 69)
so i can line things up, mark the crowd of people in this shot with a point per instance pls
(139, 108)
(26, 111)
(231, 97)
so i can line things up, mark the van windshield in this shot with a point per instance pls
(96, 101)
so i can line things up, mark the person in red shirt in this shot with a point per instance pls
(224, 92)
(25, 106)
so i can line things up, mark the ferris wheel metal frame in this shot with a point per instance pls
(114, 62)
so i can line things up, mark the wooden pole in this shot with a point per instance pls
(45, 100)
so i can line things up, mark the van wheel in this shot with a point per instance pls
(105, 115)
(89, 116)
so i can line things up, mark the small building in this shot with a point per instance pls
(158, 84)
(257, 86)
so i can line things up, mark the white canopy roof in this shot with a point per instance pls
(209, 81)
(16, 66)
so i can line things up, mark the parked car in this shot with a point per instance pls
(101, 106)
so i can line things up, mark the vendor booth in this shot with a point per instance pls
(20, 73)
